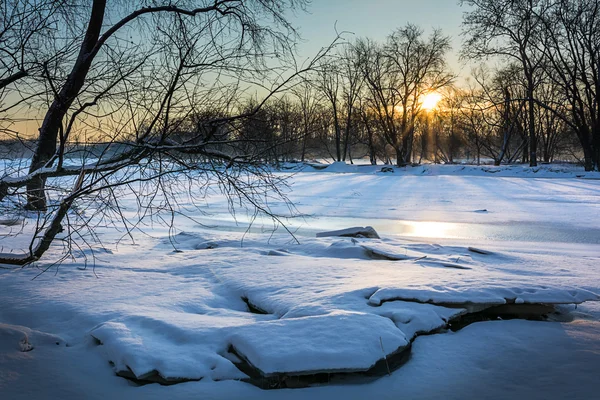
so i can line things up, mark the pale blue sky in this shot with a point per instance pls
(376, 19)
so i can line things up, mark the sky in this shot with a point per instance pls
(376, 19)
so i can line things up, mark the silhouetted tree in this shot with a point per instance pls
(510, 29)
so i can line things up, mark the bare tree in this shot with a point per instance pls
(370, 137)
(472, 121)
(450, 140)
(217, 14)
(35, 40)
(204, 52)
(308, 103)
(398, 75)
(509, 29)
(572, 54)
(554, 133)
(352, 84)
(27, 28)
(496, 105)
(330, 85)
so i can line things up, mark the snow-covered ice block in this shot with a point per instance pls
(344, 249)
(337, 342)
(488, 295)
(425, 258)
(148, 347)
(416, 318)
(364, 232)
(392, 252)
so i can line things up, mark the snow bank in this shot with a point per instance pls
(331, 302)
(513, 170)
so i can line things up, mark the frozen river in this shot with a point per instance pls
(440, 207)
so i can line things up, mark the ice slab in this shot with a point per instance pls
(338, 342)
(361, 232)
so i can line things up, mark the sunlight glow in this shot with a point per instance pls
(431, 100)
(428, 229)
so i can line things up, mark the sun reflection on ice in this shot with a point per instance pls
(429, 229)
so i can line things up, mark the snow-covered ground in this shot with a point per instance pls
(205, 307)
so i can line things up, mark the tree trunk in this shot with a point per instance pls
(52, 124)
(532, 135)
(304, 139)
(507, 127)
(588, 158)
(407, 145)
(547, 156)
(372, 155)
(399, 157)
(346, 137)
(595, 147)
(338, 134)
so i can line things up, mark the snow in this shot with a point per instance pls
(506, 359)
(20, 338)
(331, 303)
(559, 171)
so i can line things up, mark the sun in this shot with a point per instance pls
(431, 100)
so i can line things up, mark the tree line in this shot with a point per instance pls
(540, 102)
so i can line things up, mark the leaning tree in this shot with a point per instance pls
(115, 85)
